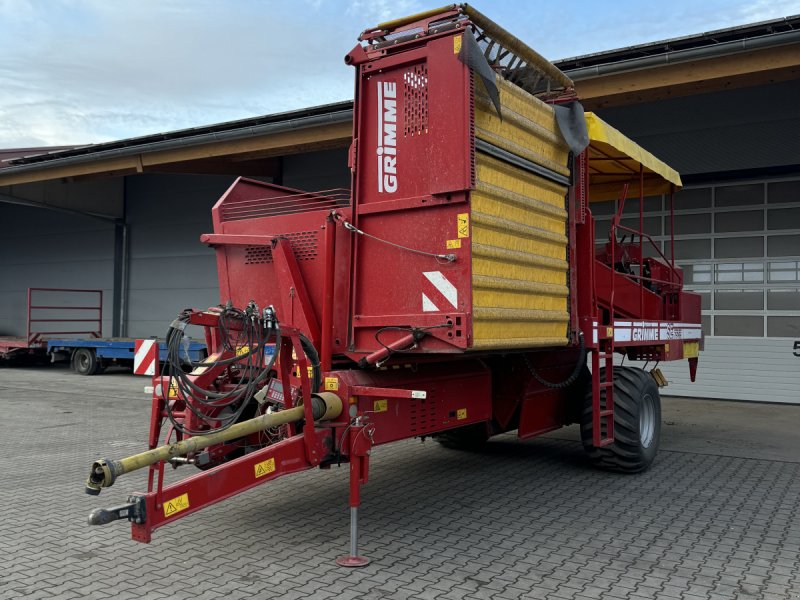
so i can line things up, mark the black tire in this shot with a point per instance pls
(637, 423)
(470, 437)
(84, 361)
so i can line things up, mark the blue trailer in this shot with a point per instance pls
(92, 356)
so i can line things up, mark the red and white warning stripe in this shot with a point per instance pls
(145, 357)
(438, 294)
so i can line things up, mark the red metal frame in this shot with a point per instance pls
(34, 336)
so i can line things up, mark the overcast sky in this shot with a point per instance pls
(88, 71)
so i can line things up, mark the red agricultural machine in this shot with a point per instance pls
(457, 291)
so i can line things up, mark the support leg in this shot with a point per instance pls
(358, 475)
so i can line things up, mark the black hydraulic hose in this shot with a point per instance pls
(579, 366)
(257, 335)
(313, 357)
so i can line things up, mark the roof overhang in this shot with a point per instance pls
(245, 148)
(744, 56)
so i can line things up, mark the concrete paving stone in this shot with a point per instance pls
(517, 523)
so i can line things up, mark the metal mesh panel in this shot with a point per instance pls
(304, 247)
(415, 91)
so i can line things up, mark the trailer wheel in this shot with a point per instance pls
(470, 437)
(84, 361)
(637, 423)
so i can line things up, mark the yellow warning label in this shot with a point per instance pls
(453, 244)
(463, 225)
(173, 390)
(461, 414)
(380, 406)
(242, 350)
(309, 370)
(691, 349)
(457, 44)
(332, 384)
(176, 505)
(265, 468)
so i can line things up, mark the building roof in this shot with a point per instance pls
(741, 34)
(9, 154)
(204, 132)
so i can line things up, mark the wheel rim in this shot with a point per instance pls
(83, 361)
(647, 420)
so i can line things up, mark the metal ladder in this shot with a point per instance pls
(603, 409)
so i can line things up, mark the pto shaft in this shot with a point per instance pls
(325, 406)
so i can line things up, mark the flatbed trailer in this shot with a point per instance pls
(457, 291)
(80, 311)
(91, 356)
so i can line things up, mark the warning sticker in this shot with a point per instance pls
(453, 244)
(461, 414)
(463, 225)
(457, 44)
(242, 350)
(691, 349)
(173, 390)
(309, 370)
(265, 468)
(176, 505)
(380, 406)
(332, 384)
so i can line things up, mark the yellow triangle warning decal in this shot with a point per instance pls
(265, 468)
(176, 505)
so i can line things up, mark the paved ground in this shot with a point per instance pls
(519, 520)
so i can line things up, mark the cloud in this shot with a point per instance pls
(764, 10)
(166, 64)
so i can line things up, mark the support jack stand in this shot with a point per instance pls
(353, 559)
(360, 445)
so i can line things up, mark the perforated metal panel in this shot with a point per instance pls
(304, 246)
(415, 105)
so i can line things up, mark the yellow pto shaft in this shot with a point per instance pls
(325, 406)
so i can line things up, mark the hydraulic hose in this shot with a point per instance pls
(579, 365)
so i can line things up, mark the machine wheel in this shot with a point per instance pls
(637, 423)
(84, 361)
(470, 437)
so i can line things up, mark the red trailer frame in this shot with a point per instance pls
(36, 337)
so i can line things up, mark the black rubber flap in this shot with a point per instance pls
(471, 55)
(572, 124)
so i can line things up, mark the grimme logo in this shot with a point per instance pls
(387, 137)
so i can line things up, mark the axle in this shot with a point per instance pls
(325, 406)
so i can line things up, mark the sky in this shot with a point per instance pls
(87, 71)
